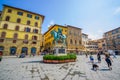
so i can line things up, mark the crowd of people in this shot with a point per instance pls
(107, 58)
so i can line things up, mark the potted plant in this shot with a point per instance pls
(59, 59)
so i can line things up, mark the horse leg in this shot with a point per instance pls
(55, 42)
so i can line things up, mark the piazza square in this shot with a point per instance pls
(33, 68)
(59, 40)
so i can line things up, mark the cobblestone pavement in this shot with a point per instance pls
(32, 68)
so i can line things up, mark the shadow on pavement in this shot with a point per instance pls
(34, 62)
(104, 69)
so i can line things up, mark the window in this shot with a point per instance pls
(113, 32)
(37, 17)
(35, 30)
(36, 24)
(15, 36)
(18, 20)
(26, 36)
(79, 42)
(1, 40)
(7, 18)
(75, 42)
(3, 34)
(17, 28)
(34, 38)
(71, 41)
(69, 32)
(118, 36)
(29, 15)
(14, 41)
(27, 29)
(117, 31)
(25, 41)
(34, 42)
(20, 13)
(5, 26)
(9, 11)
(28, 22)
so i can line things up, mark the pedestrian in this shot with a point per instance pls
(91, 58)
(1, 53)
(95, 66)
(99, 57)
(114, 55)
(108, 60)
(86, 53)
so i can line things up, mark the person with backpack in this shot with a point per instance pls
(91, 58)
(108, 60)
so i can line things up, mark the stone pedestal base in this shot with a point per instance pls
(60, 50)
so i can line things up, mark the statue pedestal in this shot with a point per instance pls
(60, 50)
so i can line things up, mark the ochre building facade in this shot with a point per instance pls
(112, 39)
(20, 31)
(73, 40)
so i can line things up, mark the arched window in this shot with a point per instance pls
(17, 28)
(79, 41)
(7, 18)
(5, 26)
(27, 29)
(3, 34)
(1, 48)
(18, 20)
(36, 24)
(15, 35)
(75, 42)
(28, 22)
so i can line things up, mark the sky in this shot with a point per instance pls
(95, 17)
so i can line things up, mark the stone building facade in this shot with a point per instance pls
(73, 41)
(20, 31)
(112, 39)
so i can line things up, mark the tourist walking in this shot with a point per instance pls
(86, 54)
(95, 66)
(91, 58)
(99, 57)
(108, 60)
(1, 53)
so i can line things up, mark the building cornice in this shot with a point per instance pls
(25, 11)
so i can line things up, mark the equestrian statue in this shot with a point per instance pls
(58, 36)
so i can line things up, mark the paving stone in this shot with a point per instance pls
(32, 68)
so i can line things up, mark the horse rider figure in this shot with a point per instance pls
(59, 33)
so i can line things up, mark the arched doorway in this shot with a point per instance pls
(24, 50)
(1, 48)
(12, 50)
(33, 50)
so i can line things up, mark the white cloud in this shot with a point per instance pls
(51, 23)
(117, 11)
(96, 35)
